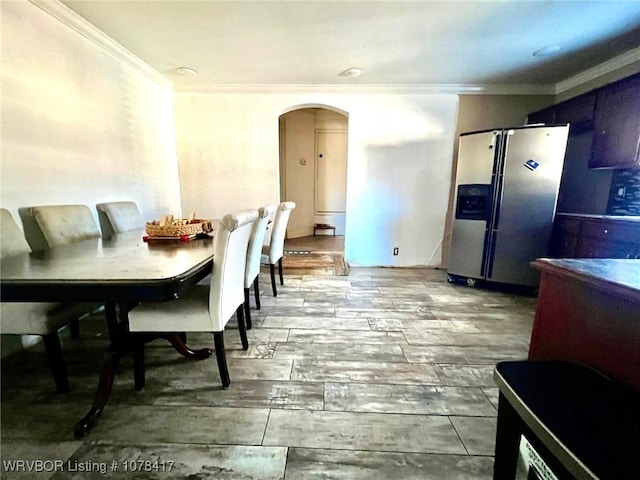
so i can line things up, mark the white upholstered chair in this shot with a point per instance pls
(119, 217)
(205, 308)
(44, 319)
(272, 253)
(254, 254)
(49, 226)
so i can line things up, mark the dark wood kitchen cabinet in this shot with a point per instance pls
(584, 236)
(578, 112)
(616, 135)
(612, 113)
(546, 116)
(566, 231)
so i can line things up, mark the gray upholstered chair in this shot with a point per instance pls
(272, 253)
(44, 319)
(205, 308)
(49, 226)
(254, 254)
(119, 217)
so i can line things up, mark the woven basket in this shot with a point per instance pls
(178, 229)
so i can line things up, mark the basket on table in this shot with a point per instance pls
(179, 228)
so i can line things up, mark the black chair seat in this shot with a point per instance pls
(588, 423)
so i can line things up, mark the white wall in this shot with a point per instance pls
(78, 125)
(399, 163)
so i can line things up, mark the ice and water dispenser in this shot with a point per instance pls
(473, 202)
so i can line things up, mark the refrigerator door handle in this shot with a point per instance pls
(499, 191)
(492, 253)
(499, 179)
(495, 146)
(485, 248)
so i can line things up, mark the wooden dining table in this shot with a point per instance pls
(119, 272)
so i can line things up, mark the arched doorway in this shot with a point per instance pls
(313, 173)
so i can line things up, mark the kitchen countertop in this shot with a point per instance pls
(619, 276)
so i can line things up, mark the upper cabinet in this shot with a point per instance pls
(616, 135)
(612, 113)
(577, 111)
(546, 116)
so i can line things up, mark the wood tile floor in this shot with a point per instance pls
(382, 374)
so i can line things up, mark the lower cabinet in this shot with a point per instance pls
(595, 237)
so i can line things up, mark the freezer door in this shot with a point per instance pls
(526, 200)
(476, 153)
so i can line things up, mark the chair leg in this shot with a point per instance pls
(507, 440)
(242, 327)
(247, 308)
(280, 271)
(218, 340)
(138, 364)
(56, 361)
(273, 279)
(256, 291)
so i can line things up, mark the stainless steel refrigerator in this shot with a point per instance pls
(506, 190)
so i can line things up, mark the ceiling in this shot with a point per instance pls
(406, 43)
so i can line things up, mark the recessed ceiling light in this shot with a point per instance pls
(549, 51)
(351, 73)
(186, 71)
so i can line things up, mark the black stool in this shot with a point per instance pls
(581, 423)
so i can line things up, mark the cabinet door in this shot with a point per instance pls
(609, 239)
(578, 112)
(546, 116)
(617, 125)
(564, 241)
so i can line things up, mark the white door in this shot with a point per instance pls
(331, 172)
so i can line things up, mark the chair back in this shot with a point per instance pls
(119, 217)
(226, 292)
(256, 239)
(50, 226)
(12, 239)
(279, 230)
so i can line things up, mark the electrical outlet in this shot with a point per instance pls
(395, 251)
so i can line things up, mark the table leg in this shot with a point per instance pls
(107, 373)
(119, 337)
(184, 350)
(122, 341)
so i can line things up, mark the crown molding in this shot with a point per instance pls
(74, 21)
(365, 89)
(81, 26)
(604, 68)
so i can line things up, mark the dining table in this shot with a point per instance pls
(118, 272)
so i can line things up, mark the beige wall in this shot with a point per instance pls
(78, 125)
(298, 130)
(298, 173)
(399, 163)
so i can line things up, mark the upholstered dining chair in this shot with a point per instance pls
(50, 226)
(273, 252)
(205, 308)
(119, 217)
(254, 255)
(44, 319)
